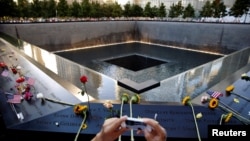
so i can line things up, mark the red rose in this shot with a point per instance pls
(2, 64)
(20, 80)
(14, 70)
(83, 79)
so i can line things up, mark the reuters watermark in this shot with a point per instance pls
(241, 132)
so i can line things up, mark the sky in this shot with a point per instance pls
(122, 2)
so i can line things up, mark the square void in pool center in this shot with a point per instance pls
(135, 62)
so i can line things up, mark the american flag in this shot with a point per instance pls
(5, 73)
(30, 80)
(214, 94)
(16, 98)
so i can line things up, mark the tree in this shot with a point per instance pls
(206, 10)
(36, 8)
(127, 12)
(8, 8)
(75, 9)
(176, 10)
(155, 12)
(106, 10)
(62, 8)
(86, 7)
(23, 8)
(96, 10)
(148, 10)
(188, 11)
(116, 10)
(45, 9)
(239, 8)
(219, 9)
(52, 8)
(136, 11)
(162, 11)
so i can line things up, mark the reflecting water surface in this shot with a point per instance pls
(177, 60)
(183, 72)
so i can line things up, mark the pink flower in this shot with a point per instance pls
(27, 95)
(108, 104)
(204, 99)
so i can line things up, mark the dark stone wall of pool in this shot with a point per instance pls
(215, 37)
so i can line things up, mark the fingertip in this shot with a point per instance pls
(124, 117)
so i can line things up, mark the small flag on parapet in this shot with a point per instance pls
(16, 98)
(5, 73)
(214, 94)
(30, 80)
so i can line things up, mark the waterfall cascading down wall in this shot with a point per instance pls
(215, 37)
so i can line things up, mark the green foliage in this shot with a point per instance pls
(8, 8)
(95, 10)
(148, 10)
(219, 9)
(23, 8)
(75, 9)
(116, 10)
(215, 9)
(127, 12)
(36, 8)
(51, 8)
(62, 8)
(162, 11)
(132, 10)
(240, 7)
(188, 11)
(85, 8)
(176, 10)
(136, 11)
(207, 10)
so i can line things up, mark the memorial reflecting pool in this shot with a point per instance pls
(137, 62)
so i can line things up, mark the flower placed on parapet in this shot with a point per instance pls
(28, 95)
(43, 98)
(227, 117)
(213, 103)
(20, 80)
(3, 66)
(125, 98)
(84, 80)
(112, 112)
(199, 115)
(244, 76)
(229, 91)
(108, 104)
(186, 101)
(204, 99)
(135, 99)
(81, 110)
(14, 69)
